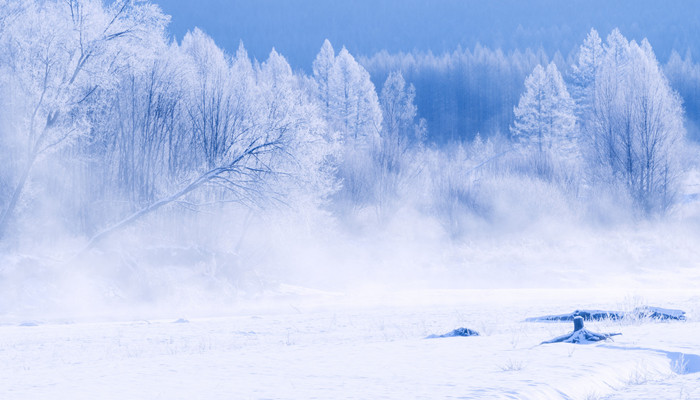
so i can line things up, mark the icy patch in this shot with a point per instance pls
(681, 363)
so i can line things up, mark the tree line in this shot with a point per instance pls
(104, 120)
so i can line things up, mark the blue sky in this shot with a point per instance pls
(297, 28)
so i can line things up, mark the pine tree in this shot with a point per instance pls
(544, 117)
(323, 70)
(354, 102)
(352, 113)
(562, 118)
(529, 126)
(347, 97)
(583, 73)
(398, 109)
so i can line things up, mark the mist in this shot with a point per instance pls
(152, 175)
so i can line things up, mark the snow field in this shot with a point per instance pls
(312, 348)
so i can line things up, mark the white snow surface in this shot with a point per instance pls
(308, 344)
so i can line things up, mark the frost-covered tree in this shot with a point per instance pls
(353, 114)
(637, 123)
(583, 74)
(356, 99)
(347, 97)
(211, 104)
(54, 57)
(684, 75)
(139, 142)
(462, 92)
(303, 170)
(323, 71)
(544, 117)
(399, 127)
(257, 135)
(401, 137)
(133, 123)
(399, 111)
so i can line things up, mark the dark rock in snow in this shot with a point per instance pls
(456, 332)
(597, 315)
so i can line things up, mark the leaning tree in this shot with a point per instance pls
(54, 57)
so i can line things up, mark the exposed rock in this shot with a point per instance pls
(456, 332)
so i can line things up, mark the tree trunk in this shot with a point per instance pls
(149, 209)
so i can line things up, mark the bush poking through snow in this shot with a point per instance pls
(639, 313)
(512, 365)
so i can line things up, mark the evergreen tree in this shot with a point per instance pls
(544, 117)
(323, 71)
(355, 105)
(684, 76)
(347, 96)
(583, 73)
(398, 109)
(353, 114)
(562, 118)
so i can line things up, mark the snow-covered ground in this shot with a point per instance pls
(363, 345)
